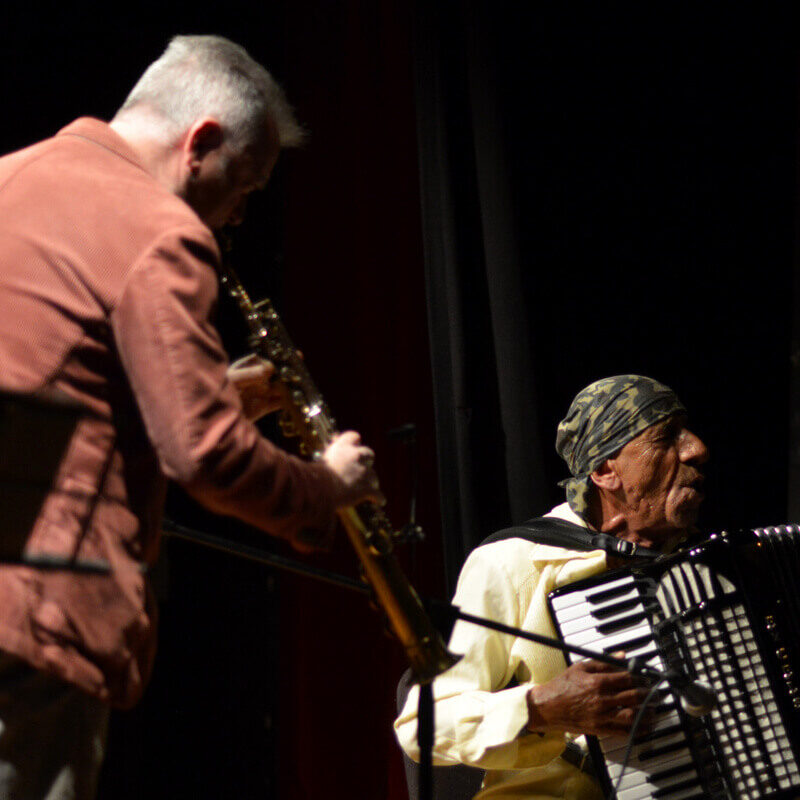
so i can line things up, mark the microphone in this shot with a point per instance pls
(697, 697)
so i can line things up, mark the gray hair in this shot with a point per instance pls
(210, 75)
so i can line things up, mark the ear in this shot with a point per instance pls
(204, 137)
(606, 477)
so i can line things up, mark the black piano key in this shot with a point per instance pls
(630, 644)
(653, 735)
(609, 594)
(663, 708)
(700, 796)
(615, 608)
(620, 624)
(662, 775)
(666, 791)
(704, 758)
(662, 750)
(647, 655)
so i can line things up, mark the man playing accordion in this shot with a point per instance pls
(509, 706)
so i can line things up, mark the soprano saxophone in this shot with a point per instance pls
(370, 533)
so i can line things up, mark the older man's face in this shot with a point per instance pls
(661, 478)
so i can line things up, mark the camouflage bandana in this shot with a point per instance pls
(603, 418)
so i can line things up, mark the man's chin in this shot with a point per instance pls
(686, 519)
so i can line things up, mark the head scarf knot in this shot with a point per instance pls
(603, 418)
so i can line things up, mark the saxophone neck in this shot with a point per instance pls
(230, 281)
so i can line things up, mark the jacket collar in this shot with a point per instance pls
(101, 133)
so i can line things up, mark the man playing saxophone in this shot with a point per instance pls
(108, 281)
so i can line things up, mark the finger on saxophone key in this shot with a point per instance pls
(351, 462)
(253, 378)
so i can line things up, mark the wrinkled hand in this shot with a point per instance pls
(252, 377)
(351, 462)
(589, 697)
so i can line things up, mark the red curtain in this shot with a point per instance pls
(354, 299)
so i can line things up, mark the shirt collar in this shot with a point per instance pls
(564, 512)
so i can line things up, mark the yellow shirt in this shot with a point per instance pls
(478, 722)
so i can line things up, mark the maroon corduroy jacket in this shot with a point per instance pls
(107, 282)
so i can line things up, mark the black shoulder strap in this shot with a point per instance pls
(560, 533)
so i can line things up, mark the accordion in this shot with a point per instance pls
(726, 612)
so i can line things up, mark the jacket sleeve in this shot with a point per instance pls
(177, 369)
(478, 722)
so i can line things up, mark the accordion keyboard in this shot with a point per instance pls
(726, 613)
(611, 618)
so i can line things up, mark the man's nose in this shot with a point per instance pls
(692, 447)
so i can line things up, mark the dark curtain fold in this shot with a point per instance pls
(602, 196)
(490, 469)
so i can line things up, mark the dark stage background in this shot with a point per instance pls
(556, 195)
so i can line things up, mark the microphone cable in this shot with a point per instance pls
(637, 721)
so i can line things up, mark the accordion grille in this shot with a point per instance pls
(751, 742)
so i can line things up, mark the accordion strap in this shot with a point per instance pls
(560, 533)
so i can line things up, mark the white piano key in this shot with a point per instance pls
(635, 776)
(568, 599)
(614, 747)
(639, 791)
(609, 643)
(618, 641)
(586, 609)
(694, 791)
(645, 788)
(586, 623)
(672, 739)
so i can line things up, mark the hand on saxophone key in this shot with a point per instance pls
(351, 462)
(252, 377)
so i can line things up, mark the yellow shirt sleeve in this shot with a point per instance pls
(480, 703)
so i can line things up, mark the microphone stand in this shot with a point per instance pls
(262, 556)
(635, 665)
(443, 615)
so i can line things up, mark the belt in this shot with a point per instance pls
(575, 755)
